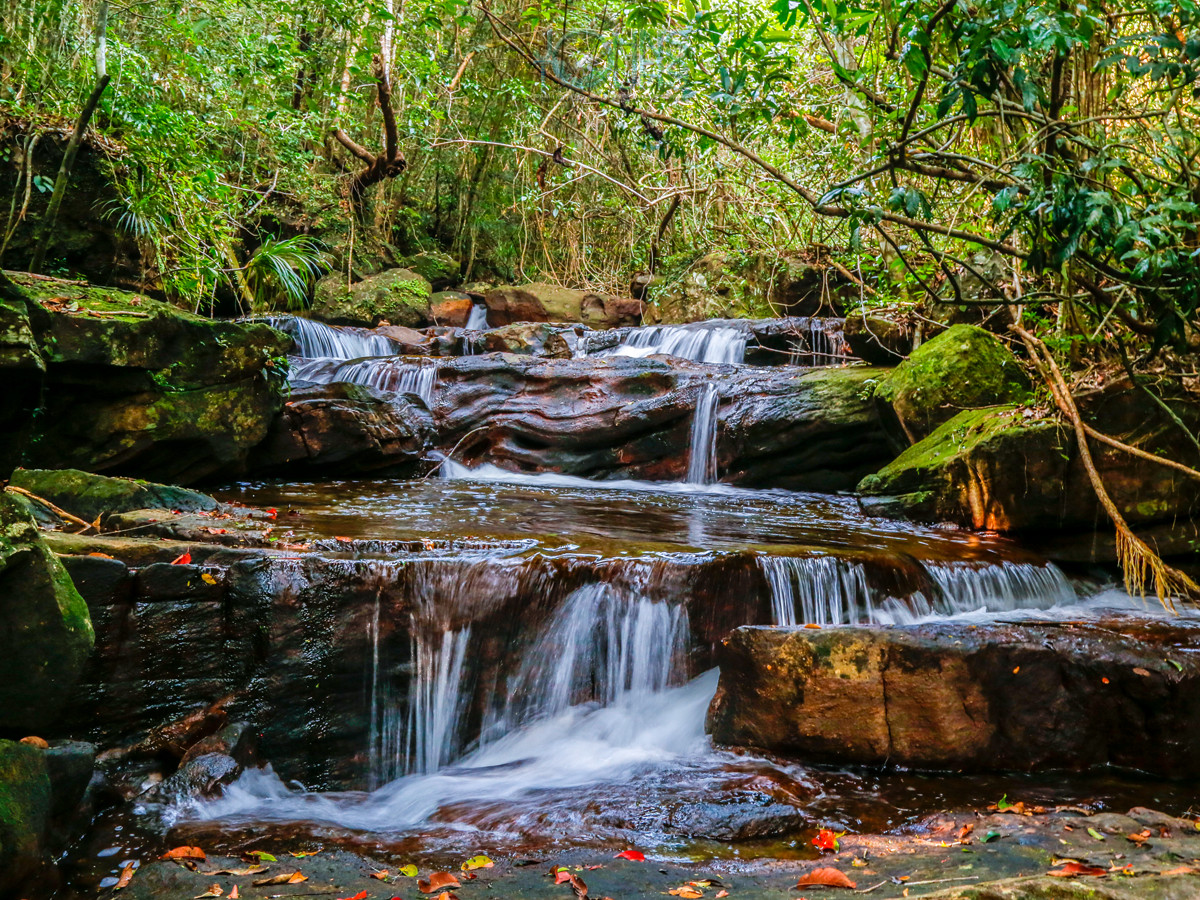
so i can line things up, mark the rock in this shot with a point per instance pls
(395, 296)
(965, 367)
(451, 308)
(144, 388)
(23, 371)
(69, 765)
(201, 777)
(623, 417)
(879, 339)
(348, 426)
(534, 339)
(25, 804)
(724, 285)
(550, 303)
(1006, 469)
(439, 269)
(92, 496)
(1075, 696)
(45, 631)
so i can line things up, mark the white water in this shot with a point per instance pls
(394, 375)
(318, 340)
(702, 455)
(817, 590)
(824, 342)
(477, 321)
(699, 342)
(487, 472)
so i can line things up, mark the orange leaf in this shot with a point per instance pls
(721, 894)
(233, 893)
(286, 878)
(184, 853)
(635, 855)
(436, 882)
(562, 876)
(382, 876)
(126, 877)
(687, 893)
(966, 829)
(182, 560)
(446, 895)
(825, 877)
(361, 895)
(1072, 869)
(214, 890)
(34, 741)
(1182, 870)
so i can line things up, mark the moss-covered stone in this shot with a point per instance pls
(965, 367)
(45, 630)
(22, 369)
(90, 496)
(396, 296)
(439, 269)
(24, 811)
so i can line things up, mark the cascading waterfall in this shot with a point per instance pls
(998, 587)
(394, 375)
(316, 340)
(438, 699)
(477, 321)
(818, 590)
(824, 343)
(702, 455)
(699, 342)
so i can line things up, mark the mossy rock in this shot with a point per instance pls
(23, 371)
(24, 811)
(396, 296)
(962, 368)
(439, 269)
(90, 496)
(45, 629)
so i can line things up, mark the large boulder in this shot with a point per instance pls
(23, 370)
(348, 426)
(1123, 692)
(439, 269)
(1009, 469)
(451, 308)
(25, 802)
(550, 303)
(135, 386)
(964, 367)
(396, 296)
(45, 631)
(91, 496)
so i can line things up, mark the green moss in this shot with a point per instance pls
(398, 296)
(24, 809)
(88, 496)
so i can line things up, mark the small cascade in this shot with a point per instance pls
(998, 587)
(605, 645)
(437, 700)
(702, 457)
(316, 340)
(818, 590)
(393, 375)
(477, 321)
(699, 342)
(820, 342)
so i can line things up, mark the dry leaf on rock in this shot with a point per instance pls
(1071, 869)
(126, 876)
(285, 878)
(184, 853)
(214, 890)
(436, 882)
(826, 877)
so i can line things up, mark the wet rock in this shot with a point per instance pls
(532, 339)
(135, 386)
(395, 296)
(451, 308)
(92, 497)
(1006, 469)
(618, 416)
(549, 303)
(45, 630)
(202, 776)
(742, 817)
(409, 341)
(879, 339)
(69, 765)
(946, 696)
(348, 426)
(25, 804)
(23, 371)
(963, 368)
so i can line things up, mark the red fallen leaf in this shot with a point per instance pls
(826, 840)
(562, 876)
(344, 540)
(233, 893)
(127, 874)
(1071, 869)
(1182, 870)
(635, 855)
(436, 882)
(182, 560)
(446, 895)
(826, 877)
(361, 895)
(592, 868)
(966, 829)
(721, 894)
(273, 512)
(185, 853)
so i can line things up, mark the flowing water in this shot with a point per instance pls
(701, 342)
(702, 454)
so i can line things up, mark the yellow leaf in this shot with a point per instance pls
(208, 579)
(214, 890)
(477, 862)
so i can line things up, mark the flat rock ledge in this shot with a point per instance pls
(1121, 692)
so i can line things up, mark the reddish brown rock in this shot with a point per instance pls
(450, 308)
(550, 303)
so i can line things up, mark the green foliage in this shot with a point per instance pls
(280, 273)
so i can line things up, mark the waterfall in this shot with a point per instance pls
(477, 321)
(998, 587)
(605, 645)
(702, 457)
(700, 342)
(437, 701)
(818, 590)
(823, 342)
(392, 375)
(317, 340)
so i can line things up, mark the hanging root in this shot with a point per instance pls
(1138, 561)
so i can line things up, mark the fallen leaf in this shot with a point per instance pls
(965, 830)
(1104, 680)
(1138, 837)
(635, 855)
(184, 853)
(477, 862)
(446, 895)
(35, 741)
(214, 890)
(561, 876)
(721, 894)
(209, 579)
(688, 893)
(182, 560)
(579, 886)
(247, 870)
(1182, 870)
(261, 855)
(361, 895)
(437, 881)
(233, 893)
(127, 874)
(1071, 869)
(410, 870)
(1095, 834)
(593, 868)
(1140, 671)
(99, 555)
(826, 877)
(272, 512)
(300, 854)
(811, 625)
(991, 836)
(285, 878)
(827, 841)
(382, 876)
